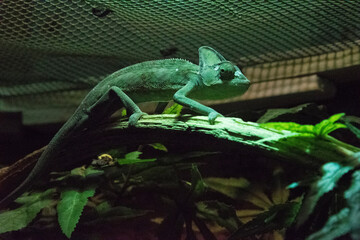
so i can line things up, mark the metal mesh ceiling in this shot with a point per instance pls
(47, 46)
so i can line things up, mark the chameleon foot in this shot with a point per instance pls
(212, 116)
(134, 118)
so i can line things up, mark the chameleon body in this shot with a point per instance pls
(160, 80)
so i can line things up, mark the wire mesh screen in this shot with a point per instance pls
(48, 46)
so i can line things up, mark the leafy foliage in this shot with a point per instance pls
(277, 217)
(332, 172)
(19, 218)
(73, 201)
(158, 146)
(346, 220)
(275, 212)
(240, 189)
(108, 213)
(132, 158)
(274, 113)
(352, 195)
(349, 120)
(70, 208)
(329, 125)
(321, 129)
(185, 212)
(198, 186)
(174, 109)
(177, 192)
(34, 197)
(221, 213)
(337, 226)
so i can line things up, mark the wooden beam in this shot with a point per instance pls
(303, 66)
(275, 93)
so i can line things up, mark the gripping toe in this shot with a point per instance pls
(134, 118)
(212, 116)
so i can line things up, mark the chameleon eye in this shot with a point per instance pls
(227, 75)
(227, 71)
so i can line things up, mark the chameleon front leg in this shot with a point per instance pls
(111, 101)
(181, 97)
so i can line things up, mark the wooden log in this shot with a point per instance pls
(186, 131)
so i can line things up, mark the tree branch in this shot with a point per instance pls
(227, 134)
(188, 132)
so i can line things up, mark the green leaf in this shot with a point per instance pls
(352, 196)
(276, 112)
(351, 127)
(121, 213)
(123, 113)
(108, 214)
(163, 172)
(174, 109)
(332, 172)
(355, 186)
(321, 129)
(70, 208)
(335, 117)
(240, 189)
(279, 193)
(86, 172)
(34, 197)
(276, 218)
(336, 226)
(158, 146)
(289, 126)
(198, 186)
(293, 185)
(219, 212)
(19, 218)
(80, 171)
(132, 158)
(230, 182)
(103, 207)
(133, 155)
(328, 125)
(91, 172)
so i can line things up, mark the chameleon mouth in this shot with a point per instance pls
(240, 79)
(240, 82)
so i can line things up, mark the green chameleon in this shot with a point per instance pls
(161, 80)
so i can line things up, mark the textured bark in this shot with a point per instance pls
(227, 134)
(188, 132)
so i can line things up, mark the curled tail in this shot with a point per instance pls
(26, 184)
(42, 164)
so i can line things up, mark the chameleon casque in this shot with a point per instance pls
(160, 80)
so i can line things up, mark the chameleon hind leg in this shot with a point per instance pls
(112, 101)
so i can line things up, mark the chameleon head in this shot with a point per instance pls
(215, 70)
(230, 74)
